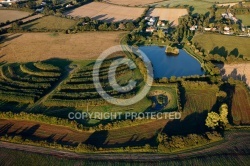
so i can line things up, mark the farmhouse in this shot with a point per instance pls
(193, 28)
(229, 16)
(39, 10)
(151, 29)
(207, 29)
(226, 28)
(161, 23)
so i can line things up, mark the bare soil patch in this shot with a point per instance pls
(12, 15)
(172, 15)
(237, 71)
(41, 46)
(107, 12)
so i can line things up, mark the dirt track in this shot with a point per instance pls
(236, 144)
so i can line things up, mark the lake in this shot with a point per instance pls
(171, 65)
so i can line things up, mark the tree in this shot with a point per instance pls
(212, 120)
(172, 79)
(223, 114)
(121, 26)
(113, 27)
(54, 2)
(161, 34)
(130, 26)
(221, 96)
(103, 27)
(15, 26)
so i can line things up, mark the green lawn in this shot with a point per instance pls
(245, 19)
(197, 6)
(50, 23)
(224, 45)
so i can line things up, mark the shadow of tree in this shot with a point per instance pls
(220, 51)
(98, 138)
(4, 130)
(191, 124)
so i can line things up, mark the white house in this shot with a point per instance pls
(207, 29)
(192, 28)
(150, 29)
(226, 28)
(150, 23)
(152, 19)
(39, 10)
(161, 23)
(69, 5)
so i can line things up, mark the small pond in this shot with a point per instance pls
(171, 65)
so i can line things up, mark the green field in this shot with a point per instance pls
(200, 7)
(50, 23)
(53, 90)
(245, 19)
(199, 97)
(224, 45)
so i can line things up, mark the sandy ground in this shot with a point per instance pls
(237, 71)
(107, 12)
(41, 46)
(171, 15)
(132, 2)
(12, 15)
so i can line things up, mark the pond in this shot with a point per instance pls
(171, 65)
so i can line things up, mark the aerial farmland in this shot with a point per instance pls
(124, 82)
(107, 12)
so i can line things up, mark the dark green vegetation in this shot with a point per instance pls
(51, 89)
(27, 83)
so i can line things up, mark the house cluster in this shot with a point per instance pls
(210, 29)
(153, 23)
(227, 31)
(7, 2)
(229, 16)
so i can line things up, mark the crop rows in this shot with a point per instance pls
(26, 83)
(241, 105)
(199, 97)
(79, 87)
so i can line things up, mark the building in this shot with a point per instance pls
(151, 29)
(207, 29)
(150, 23)
(229, 16)
(39, 10)
(193, 28)
(152, 19)
(161, 23)
(226, 28)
